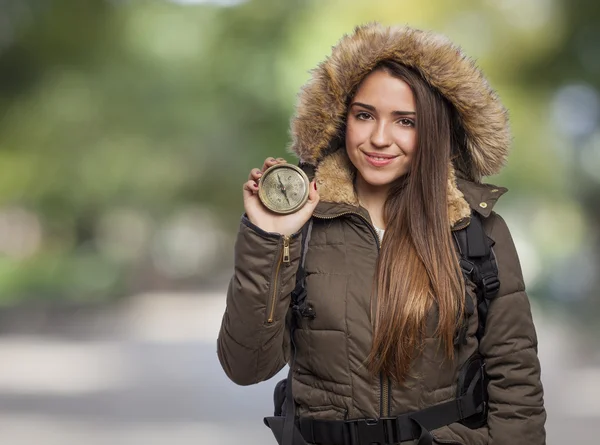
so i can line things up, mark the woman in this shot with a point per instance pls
(400, 127)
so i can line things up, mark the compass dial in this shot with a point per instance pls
(283, 188)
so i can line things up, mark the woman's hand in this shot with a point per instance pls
(267, 220)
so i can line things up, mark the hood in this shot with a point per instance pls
(317, 126)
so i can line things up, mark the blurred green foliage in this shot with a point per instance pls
(158, 109)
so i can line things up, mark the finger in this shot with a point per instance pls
(268, 163)
(250, 188)
(281, 161)
(255, 174)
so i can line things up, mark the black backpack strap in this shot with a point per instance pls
(470, 408)
(299, 292)
(413, 426)
(478, 262)
(283, 424)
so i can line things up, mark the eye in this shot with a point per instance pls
(363, 116)
(406, 122)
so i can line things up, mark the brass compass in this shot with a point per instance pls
(283, 188)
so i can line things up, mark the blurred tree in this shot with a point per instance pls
(575, 130)
(150, 106)
(153, 110)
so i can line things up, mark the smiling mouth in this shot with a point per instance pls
(381, 158)
(378, 158)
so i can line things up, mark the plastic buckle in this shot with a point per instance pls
(491, 285)
(466, 266)
(372, 431)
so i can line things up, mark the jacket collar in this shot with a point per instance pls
(317, 127)
(335, 182)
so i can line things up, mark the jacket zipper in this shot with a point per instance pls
(384, 382)
(285, 258)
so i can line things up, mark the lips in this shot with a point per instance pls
(379, 159)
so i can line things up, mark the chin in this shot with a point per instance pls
(379, 180)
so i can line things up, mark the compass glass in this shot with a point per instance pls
(284, 188)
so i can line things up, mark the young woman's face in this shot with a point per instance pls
(381, 136)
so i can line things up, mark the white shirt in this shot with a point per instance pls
(380, 233)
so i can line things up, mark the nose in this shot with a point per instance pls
(380, 137)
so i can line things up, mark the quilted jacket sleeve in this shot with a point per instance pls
(253, 342)
(509, 345)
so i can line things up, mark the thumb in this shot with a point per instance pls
(313, 195)
(313, 199)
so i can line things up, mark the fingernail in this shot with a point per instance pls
(315, 185)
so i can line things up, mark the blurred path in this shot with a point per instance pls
(146, 373)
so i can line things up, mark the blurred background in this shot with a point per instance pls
(127, 129)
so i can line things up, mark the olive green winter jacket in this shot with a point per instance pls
(330, 379)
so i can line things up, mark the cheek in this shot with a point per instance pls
(356, 134)
(350, 135)
(407, 140)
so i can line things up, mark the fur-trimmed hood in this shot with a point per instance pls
(318, 123)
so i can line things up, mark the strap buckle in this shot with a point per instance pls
(491, 286)
(466, 266)
(380, 431)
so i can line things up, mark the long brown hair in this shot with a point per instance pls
(418, 266)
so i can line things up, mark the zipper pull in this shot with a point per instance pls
(286, 249)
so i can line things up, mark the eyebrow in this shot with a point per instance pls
(372, 108)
